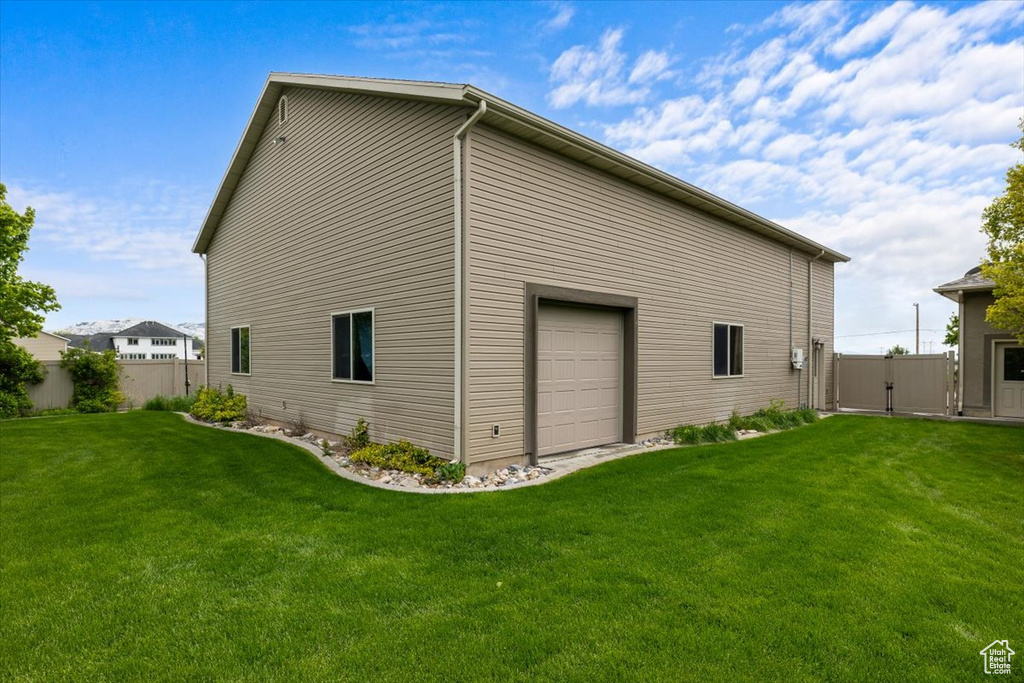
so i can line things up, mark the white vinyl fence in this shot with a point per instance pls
(141, 380)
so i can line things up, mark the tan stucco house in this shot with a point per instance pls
(991, 376)
(44, 346)
(489, 284)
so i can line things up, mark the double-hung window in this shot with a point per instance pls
(728, 351)
(240, 350)
(352, 346)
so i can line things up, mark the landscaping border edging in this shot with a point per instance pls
(559, 466)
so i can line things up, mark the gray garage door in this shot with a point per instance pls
(579, 370)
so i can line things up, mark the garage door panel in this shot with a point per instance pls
(578, 378)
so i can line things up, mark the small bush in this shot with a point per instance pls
(453, 472)
(299, 426)
(694, 435)
(773, 418)
(253, 418)
(17, 366)
(399, 456)
(177, 404)
(97, 379)
(213, 406)
(359, 436)
(53, 412)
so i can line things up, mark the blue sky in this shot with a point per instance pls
(880, 129)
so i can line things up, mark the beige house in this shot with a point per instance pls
(43, 346)
(991, 377)
(488, 284)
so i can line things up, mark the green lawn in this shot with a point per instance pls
(137, 546)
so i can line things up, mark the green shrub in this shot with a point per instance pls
(399, 456)
(807, 415)
(694, 435)
(453, 472)
(359, 437)
(17, 366)
(774, 417)
(53, 412)
(177, 404)
(97, 380)
(213, 406)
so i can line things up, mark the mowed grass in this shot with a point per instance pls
(140, 547)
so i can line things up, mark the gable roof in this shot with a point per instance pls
(509, 118)
(101, 341)
(972, 281)
(150, 328)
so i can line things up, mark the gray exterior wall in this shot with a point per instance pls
(355, 210)
(976, 364)
(536, 217)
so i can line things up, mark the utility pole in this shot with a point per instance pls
(917, 328)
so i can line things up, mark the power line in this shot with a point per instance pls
(875, 334)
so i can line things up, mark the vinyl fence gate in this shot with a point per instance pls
(922, 383)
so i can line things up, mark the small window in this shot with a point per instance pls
(1013, 364)
(728, 356)
(133, 342)
(240, 350)
(164, 356)
(352, 344)
(282, 110)
(133, 356)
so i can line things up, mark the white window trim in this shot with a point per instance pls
(373, 317)
(743, 350)
(239, 327)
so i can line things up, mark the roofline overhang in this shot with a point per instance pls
(555, 136)
(953, 292)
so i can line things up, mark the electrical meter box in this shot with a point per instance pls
(798, 359)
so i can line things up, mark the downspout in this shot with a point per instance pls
(206, 322)
(790, 350)
(960, 354)
(810, 329)
(460, 262)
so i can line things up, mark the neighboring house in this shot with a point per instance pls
(991, 380)
(147, 340)
(43, 346)
(488, 284)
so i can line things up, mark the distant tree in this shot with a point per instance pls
(1003, 224)
(952, 337)
(22, 304)
(897, 350)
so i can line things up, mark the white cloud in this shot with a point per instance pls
(871, 31)
(148, 226)
(564, 12)
(598, 76)
(881, 133)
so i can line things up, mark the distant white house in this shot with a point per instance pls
(147, 340)
(43, 346)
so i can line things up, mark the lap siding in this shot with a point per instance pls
(537, 217)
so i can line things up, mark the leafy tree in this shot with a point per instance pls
(897, 350)
(22, 304)
(1003, 224)
(97, 379)
(952, 337)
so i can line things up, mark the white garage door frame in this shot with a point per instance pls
(533, 296)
